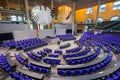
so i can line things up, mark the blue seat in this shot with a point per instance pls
(89, 70)
(82, 71)
(118, 73)
(115, 77)
(11, 74)
(109, 78)
(60, 72)
(76, 72)
(44, 70)
(28, 78)
(68, 72)
(21, 77)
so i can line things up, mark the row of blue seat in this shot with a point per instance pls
(66, 37)
(51, 61)
(88, 49)
(83, 60)
(47, 50)
(114, 76)
(53, 55)
(37, 69)
(86, 70)
(74, 50)
(58, 52)
(4, 64)
(33, 56)
(19, 59)
(19, 76)
(41, 53)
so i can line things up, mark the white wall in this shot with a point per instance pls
(24, 34)
(46, 32)
(6, 28)
(60, 31)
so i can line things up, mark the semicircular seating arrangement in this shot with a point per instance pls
(95, 57)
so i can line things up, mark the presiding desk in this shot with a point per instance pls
(65, 46)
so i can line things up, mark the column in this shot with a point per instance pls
(73, 17)
(97, 14)
(27, 13)
(52, 5)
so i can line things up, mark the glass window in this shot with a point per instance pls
(116, 5)
(100, 20)
(88, 21)
(13, 18)
(102, 8)
(89, 10)
(114, 18)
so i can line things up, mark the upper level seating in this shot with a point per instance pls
(66, 37)
(107, 24)
(108, 41)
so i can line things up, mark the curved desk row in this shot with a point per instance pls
(83, 65)
(93, 76)
(87, 55)
(39, 64)
(35, 54)
(23, 57)
(74, 58)
(9, 60)
(31, 74)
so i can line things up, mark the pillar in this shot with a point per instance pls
(27, 13)
(97, 14)
(73, 18)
